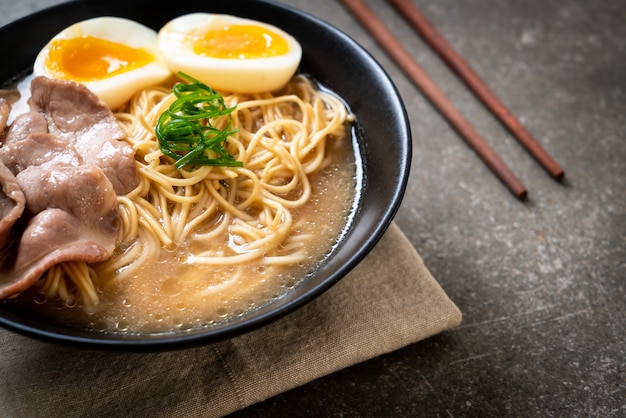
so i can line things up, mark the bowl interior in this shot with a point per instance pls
(332, 58)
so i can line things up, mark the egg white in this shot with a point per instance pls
(237, 75)
(116, 89)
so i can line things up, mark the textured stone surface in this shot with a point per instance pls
(540, 283)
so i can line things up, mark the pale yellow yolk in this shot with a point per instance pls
(240, 42)
(88, 58)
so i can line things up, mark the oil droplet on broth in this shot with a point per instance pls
(122, 326)
(100, 326)
(171, 287)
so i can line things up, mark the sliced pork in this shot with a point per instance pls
(24, 125)
(5, 110)
(38, 149)
(75, 218)
(12, 202)
(76, 114)
(62, 166)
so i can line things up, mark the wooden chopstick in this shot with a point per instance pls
(480, 89)
(402, 57)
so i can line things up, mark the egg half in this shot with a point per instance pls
(230, 53)
(113, 57)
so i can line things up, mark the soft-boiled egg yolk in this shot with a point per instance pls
(113, 57)
(230, 53)
(88, 58)
(241, 41)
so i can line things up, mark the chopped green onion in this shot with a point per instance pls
(185, 132)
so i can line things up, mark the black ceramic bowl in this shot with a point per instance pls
(332, 58)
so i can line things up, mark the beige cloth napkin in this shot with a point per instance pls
(389, 301)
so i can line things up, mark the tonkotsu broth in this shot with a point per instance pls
(170, 295)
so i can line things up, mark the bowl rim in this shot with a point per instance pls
(56, 333)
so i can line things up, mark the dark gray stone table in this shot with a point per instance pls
(540, 283)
